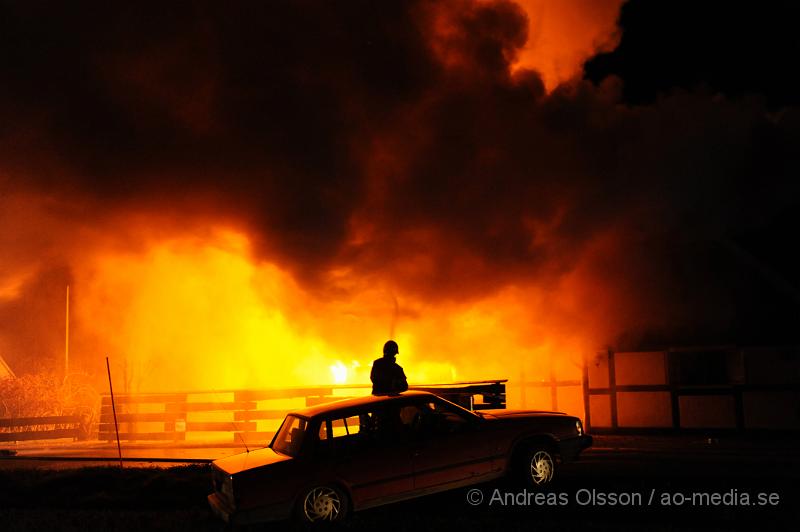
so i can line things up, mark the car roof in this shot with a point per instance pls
(354, 402)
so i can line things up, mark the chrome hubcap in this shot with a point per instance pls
(541, 467)
(322, 504)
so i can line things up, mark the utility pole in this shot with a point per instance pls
(66, 339)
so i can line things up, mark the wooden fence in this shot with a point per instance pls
(170, 416)
(693, 389)
(41, 428)
(248, 415)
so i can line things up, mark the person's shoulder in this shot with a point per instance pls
(378, 361)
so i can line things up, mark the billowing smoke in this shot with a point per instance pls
(404, 150)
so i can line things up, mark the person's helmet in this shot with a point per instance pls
(390, 348)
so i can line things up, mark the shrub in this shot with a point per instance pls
(46, 394)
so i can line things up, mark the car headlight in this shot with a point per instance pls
(223, 484)
(227, 487)
(579, 427)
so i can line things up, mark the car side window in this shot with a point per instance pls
(436, 418)
(412, 417)
(340, 433)
(381, 425)
(353, 424)
(346, 426)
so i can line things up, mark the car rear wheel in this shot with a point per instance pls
(323, 504)
(538, 467)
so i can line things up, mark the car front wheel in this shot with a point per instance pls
(323, 504)
(538, 467)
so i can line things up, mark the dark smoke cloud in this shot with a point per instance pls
(393, 138)
(735, 48)
(256, 108)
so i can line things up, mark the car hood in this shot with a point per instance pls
(505, 414)
(241, 462)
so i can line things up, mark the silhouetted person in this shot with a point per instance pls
(387, 376)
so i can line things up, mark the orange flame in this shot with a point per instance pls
(564, 34)
(191, 314)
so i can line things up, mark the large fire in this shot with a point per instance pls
(189, 311)
(177, 308)
(190, 314)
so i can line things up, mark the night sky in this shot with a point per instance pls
(403, 142)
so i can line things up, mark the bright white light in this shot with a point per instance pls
(339, 372)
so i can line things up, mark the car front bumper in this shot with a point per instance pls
(223, 510)
(571, 448)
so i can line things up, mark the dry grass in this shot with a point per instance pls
(46, 394)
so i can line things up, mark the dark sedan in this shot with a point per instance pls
(327, 461)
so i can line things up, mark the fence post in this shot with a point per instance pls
(673, 364)
(612, 388)
(587, 413)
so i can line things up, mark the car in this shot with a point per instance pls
(327, 461)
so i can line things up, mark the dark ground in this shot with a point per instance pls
(106, 498)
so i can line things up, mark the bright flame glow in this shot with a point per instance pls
(339, 372)
(563, 34)
(189, 313)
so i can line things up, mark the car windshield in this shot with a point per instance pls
(290, 436)
(445, 405)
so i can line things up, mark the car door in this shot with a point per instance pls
(370, 456)
(449, 446)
